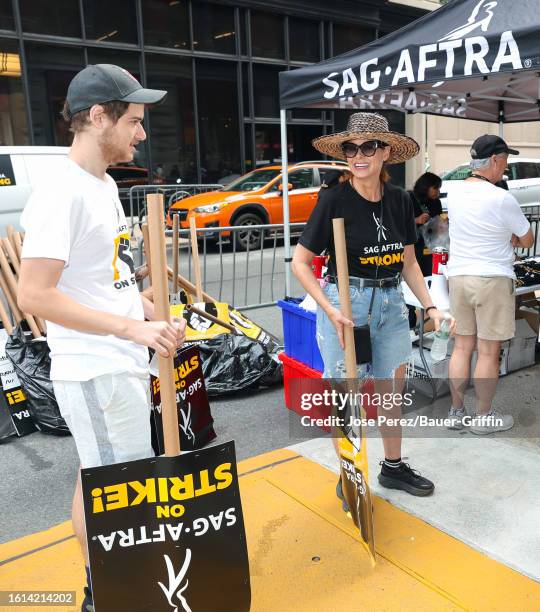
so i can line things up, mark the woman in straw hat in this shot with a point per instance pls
(380, 235)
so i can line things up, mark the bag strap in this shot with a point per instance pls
(378, 259)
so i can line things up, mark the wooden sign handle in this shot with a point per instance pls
(175, 249)
(196, 263)
(344, 297)
(158, 266)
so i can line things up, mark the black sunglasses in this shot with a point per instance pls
(368, 148)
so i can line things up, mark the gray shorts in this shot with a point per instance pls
(108, 416)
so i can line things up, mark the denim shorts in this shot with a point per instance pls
(390, 339)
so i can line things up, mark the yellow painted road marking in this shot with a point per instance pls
(303, 555)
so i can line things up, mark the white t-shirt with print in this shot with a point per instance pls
(77, 218)
(482, 219)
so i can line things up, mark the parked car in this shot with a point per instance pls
(21, 169)
(523, 179)
(256, 199)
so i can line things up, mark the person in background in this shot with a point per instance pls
(427, 205)
(486, 223)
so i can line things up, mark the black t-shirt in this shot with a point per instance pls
(363, 229)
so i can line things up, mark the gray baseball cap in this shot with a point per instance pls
(104, 83)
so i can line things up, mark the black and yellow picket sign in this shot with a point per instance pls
(167, 533)
(195, 420)
(15, 417)
(7, 176)
(201, 329)
(353, 458)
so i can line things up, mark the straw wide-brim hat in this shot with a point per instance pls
(368, 126)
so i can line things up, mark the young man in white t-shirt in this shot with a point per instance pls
(77, 273)
(486, 223)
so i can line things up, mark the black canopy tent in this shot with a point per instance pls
(470, 59)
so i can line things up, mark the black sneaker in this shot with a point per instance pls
(339, 493)
(406, 479)
(88, 601)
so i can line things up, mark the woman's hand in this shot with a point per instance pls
(437, 317)
(339, 321)
(421, 219)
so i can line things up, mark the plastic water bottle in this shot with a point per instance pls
(440, 342)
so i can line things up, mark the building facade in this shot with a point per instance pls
(219, 61)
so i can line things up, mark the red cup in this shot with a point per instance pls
(317, 265)
(439, 257)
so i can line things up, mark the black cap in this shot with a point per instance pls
(487, 145)
(105, 83)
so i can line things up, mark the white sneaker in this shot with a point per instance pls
(455, 418)
(491, 422)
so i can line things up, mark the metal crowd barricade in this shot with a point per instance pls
(134, 198)
(246, 279)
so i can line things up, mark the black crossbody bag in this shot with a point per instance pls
(362, 333)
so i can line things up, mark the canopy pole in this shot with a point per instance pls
(501, 129)
(285, 200)
(501, 119)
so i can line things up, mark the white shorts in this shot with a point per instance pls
(108, 416)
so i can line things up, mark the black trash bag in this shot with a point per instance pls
(32, 363)
(234, 363)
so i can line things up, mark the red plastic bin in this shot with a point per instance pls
(311, 382)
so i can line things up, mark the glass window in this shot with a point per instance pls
(267, 145)
(526, 170)
(302, 179)
(243, 32)
(304, 44)
(266, 89)
(245, 89)
(267, 35)
(213, 28)
(108, 21)
(60, 18)
(329, 175)
(217, 101)
(172, 123)
(347, 37)
(253, 180)
(126, 59)
(166, 23)
(6, 15)
(458, 174)
(50, 70)
(13, 125)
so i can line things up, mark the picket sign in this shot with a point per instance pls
(167, 533)
(352, 442)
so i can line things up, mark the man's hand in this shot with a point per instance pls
(163, 337)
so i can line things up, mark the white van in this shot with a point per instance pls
(21, 168)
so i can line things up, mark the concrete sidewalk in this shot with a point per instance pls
(305, 555)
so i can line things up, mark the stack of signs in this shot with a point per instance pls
(168, 534)
(15, 417)
(195, 421)
(199, 329)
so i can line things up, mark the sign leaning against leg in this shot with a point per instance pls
(353, 459)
